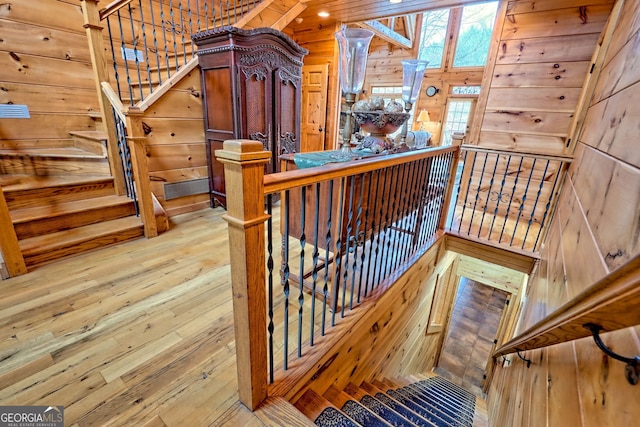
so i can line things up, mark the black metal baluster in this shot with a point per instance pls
(535, 203)
(442, 189)
(356, 242)
(155, 43)
(466, 196)
(499, 196)
(189, 14)
(486, 202)
(374, 234)
(285, 278)
(524, 199)
(113, 57)
(432, 197)
(164, 38)
(198, 17)
(409, 208)
(475, 203)
(126, 62)
(407, 194)
(338, 255)
(134, 41)
(388, 222)
(146, 48)
(513, 192)
(182, 31)
(397, 214)
(552, 195)
(366, 249)
(327, 255)
(174, 32)
(303, 241)
(270, 266)
(315, 256)
(379, 238)
(421, 220)
(348, 243)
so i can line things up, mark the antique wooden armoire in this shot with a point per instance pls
(252, 88)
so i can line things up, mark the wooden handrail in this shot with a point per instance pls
(9, 246)
(477, 149)
(612, 302)
(282, 181)
(112, 8)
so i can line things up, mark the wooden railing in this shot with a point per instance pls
(506, 198)
(612, 303)
(150, 41)
(335, 237)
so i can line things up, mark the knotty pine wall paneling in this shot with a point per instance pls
(542, 60)
(595, 231)
(45, 64)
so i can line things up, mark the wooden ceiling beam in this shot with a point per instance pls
(387, 34)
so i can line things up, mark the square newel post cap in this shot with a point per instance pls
(243, 151)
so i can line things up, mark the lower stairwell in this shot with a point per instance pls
(62, 199)
(416, 401)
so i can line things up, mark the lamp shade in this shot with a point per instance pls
(354, 48)
(423, 116)
(412, 74)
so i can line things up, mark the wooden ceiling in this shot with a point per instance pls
(351, 11)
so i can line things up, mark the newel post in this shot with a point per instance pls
(137, 140)
(95, 37)
(244, 163)
(9, 247)
(442, 223)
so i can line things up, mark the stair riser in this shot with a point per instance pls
(93, 146)
(47, 196)
(73, 219)
(53, 166)
(38, 258)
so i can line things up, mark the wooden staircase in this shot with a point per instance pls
(413, 401)
(62, 200)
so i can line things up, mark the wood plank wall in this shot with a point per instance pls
(596, 230)
(45, 64)
(532, 88)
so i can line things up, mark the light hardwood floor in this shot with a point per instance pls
(136, 334)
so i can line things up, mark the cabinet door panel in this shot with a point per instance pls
(219, 99)
(255, 87)
(287, 112)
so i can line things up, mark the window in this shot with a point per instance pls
(458, 112)
(474, 36)
(432, 39)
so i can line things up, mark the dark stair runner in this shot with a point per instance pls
(431, 402)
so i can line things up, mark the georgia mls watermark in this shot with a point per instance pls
(31, 416)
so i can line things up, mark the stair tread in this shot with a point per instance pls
(57, 209)
(22, 182)
(89, 134)
(64, 152)
(77, 235)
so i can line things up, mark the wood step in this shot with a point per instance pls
(93, 141)
(43, 249)
(52, 161)
(26, 191)
(39, 220)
